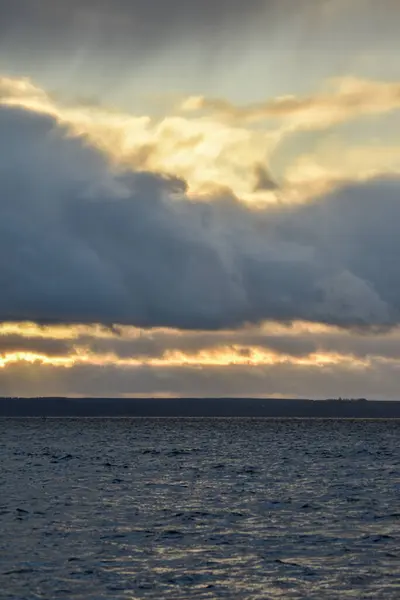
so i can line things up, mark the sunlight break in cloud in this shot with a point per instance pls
(127, 361)
(209, 152)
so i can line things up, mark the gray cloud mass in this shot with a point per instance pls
(80, 244)
(142, 24)
(48, 346)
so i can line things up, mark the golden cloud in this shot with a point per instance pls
(218, 357)
(345, 99)
(165, 348)
(214, 145)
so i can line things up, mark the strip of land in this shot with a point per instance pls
(198, 407)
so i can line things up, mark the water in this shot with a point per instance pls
(180, 508)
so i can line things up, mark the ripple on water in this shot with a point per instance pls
(230, 508)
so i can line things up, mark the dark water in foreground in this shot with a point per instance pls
(180, 508)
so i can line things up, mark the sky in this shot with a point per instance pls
(200, 198)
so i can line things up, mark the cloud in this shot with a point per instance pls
(18, 90)
(123, 52)
(264, 181)
(347, 99)
(11, 344)
(272, 359)
(82, 243)
(269, 344)
(377, 380)
(147, 25)
(341, 162)
(206, 154)
(93, 26)
(210, 153)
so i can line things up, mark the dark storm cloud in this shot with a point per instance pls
(79, 244)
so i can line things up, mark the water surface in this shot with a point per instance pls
(199, 508)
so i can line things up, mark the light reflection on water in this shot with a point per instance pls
(201, 508)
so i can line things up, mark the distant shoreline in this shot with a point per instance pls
(199, 407)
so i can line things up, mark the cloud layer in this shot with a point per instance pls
(378, 381)
(301, 360)
(348, 98)
(107, 25)
(81, 243)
